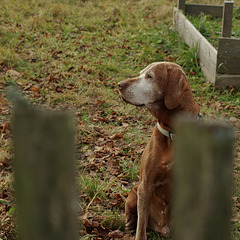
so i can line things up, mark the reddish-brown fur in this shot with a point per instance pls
(149, 203)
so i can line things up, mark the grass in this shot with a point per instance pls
(94, 187)
(211, 27)
(70, 55)
(131, 169)
(114, 220)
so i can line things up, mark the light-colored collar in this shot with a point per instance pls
(171, 135)
(166, 133)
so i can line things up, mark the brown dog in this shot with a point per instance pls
(163, 89)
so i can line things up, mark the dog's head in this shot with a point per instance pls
(160, 82)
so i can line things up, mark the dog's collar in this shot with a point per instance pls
(199, 117)
(166, 133)
(171, 135)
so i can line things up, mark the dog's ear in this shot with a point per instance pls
(176, 86)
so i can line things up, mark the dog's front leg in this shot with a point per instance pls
(145, 193)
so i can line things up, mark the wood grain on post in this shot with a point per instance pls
(227, 19)
(44, 174)
(228, 57)
(197, 9)
(202, 181)
(193, 38)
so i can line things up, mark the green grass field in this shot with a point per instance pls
(70, 55)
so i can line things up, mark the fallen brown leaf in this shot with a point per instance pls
(6, 126)
(116, 234)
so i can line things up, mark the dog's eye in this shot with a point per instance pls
(148, 76)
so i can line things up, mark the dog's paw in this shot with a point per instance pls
(165, 231)
(130, 225)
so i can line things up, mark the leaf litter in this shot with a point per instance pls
(107, 148)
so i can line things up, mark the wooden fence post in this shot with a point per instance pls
(202, 181)
(44, 173)
(227, 19)
(181, 5)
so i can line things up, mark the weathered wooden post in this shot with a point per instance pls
(181, 5)
(227, 19)
(202, 181)
(221, 67)
(44, 173)
(228, 56)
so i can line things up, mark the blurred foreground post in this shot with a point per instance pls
(202, 181)
(44, 173)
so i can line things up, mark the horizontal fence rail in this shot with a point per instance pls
(221, 67)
